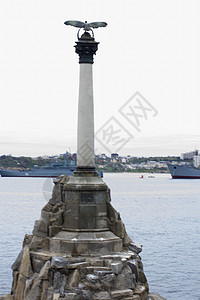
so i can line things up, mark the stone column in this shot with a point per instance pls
(86, 47)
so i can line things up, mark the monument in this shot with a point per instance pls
(79, 248)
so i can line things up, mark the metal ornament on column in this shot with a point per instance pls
(85, 47)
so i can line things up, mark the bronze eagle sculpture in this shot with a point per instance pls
(85, 25)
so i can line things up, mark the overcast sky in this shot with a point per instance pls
(149, 46)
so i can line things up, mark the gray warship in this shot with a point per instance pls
(183, 172)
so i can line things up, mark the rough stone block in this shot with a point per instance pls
(53, 230)
(141, 277)
(57, 281)
(134, 267)
(135, 247)
(101, 296)
(25, 267)
(118, 228)
(36, 243)
(121, 294)
(86, 295)
(20, 287)
(7, 297)
(124, 280)
(15, 266)
(141, 290)
(71, 296)
(14, 282)
(44, 271)
(35, 292)
(74, 279)
(116, 267)
(47, 207)
(56, 296)
(55, 246)
(59, 262)
(92, 278)
(77, 265)
(28, 285)
(136, 297)
(45, 285)
(40, 228)
(45, 216)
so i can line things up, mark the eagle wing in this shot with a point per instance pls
(97, 24)
(74, 23)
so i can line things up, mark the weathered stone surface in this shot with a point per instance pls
(141, 290)
(77, 265)
(40, 255)
(20, 287)
(92, 278)
(121, 294)
(37, 265)
(29, 284)
(154, 296)
(25, 267)
(124, 280)
(59, 262)
(56, 296)
(45, 286)
(101, 296)
(107, 280)
(15, 266)
(47, 207)
(116, 267)
(86, 295)
(74, 279)
(40, 228)
(36, 243)
(49, 293)
(141, 277)
(7, 297)
(35, 292)
(62, 284)
(134, 267)
(45, 216)
(53, 230)
(14, 282)
(71, 296)
(96, 262)
(57, 281)
(135, 247)
(44, 271)
(27, 240)
(136, 297)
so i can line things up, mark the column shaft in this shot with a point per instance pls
(85, 143)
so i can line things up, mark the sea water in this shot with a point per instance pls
(160, 213)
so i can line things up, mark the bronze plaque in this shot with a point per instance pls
(87, 198)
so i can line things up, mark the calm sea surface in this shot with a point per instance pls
(160, 213)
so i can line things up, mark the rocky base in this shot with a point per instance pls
(98, 264)
(49, 276)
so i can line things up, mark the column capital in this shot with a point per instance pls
(86, 47)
